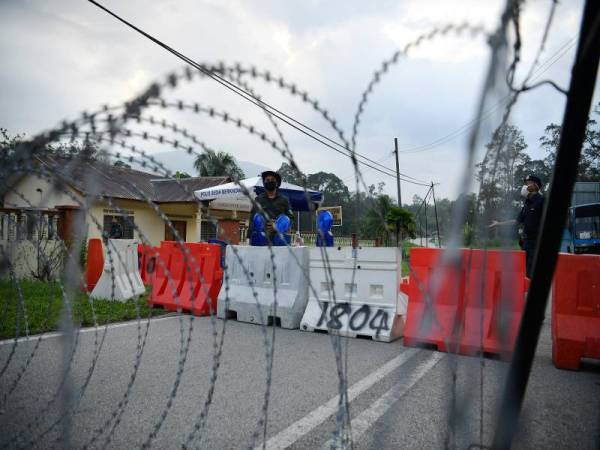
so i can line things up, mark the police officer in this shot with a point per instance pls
(529, 218)
(272, 202)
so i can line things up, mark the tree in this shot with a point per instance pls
(497, 172)
(8, 144)
(217, 164)
(180, 175)
(538, 167)
(402, 222)
(88, 150)
(333, 188)
(589, 162)
(291, 174)
(376, 217)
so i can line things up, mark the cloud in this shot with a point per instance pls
(66, 57)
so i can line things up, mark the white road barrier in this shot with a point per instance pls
(120, 279)
(252, 282)
(357, 292)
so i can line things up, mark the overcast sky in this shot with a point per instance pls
(62, 57)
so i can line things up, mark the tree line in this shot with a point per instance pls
(374, 214)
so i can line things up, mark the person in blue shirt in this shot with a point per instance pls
(529, 218)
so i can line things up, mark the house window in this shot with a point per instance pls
(125, 223)
(208, 231)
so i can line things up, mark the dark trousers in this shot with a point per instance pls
(529, 247)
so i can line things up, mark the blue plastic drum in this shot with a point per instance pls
(324, 221)
(283, 224)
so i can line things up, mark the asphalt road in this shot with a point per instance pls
(399, 397)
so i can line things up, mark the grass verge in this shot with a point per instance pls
(406, 246)
(43, 303)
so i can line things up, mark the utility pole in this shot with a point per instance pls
(397, 172)
(437, 224)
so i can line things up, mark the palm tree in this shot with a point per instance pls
(375, 217)
(385, 218)
(217, 164)
(402, 222)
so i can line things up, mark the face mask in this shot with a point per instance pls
(524, 191)
(270, 186)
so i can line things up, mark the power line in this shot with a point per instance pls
(402, 175)
(299, 126)
(379, 161)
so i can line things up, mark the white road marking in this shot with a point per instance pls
(315, 418)
(365, 420)
(35, 337)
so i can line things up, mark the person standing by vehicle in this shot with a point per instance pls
(529, 218)
(272, 203)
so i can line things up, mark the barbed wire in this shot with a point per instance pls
(268, 383)
(97, 346)
(115, 133)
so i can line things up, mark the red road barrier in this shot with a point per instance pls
(575, 310)
(472, 307)
(434, 305)
(405, 285)
(146, 262)
(494, 302)
(158, 278)
(194, 279)
(94, 263)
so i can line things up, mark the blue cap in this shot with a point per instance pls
(324, 221)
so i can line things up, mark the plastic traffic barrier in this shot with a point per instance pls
(435, 305)
(159, 278)
(355, 292)
(494, 301)
(254, 275)
(193, 280)
(146, 262)
(405, 285)
(94, 263)
(223, 245)
(575, 310)
(120, 279)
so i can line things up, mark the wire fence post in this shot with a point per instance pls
(579, 98)
(426, 230)
(437, 224)
(397, 172)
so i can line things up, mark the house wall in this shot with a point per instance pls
(229, 231)
(28, 258)
(146, 219)
(186, 212)
(50, 196)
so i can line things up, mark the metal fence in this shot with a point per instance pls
(342, 241)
